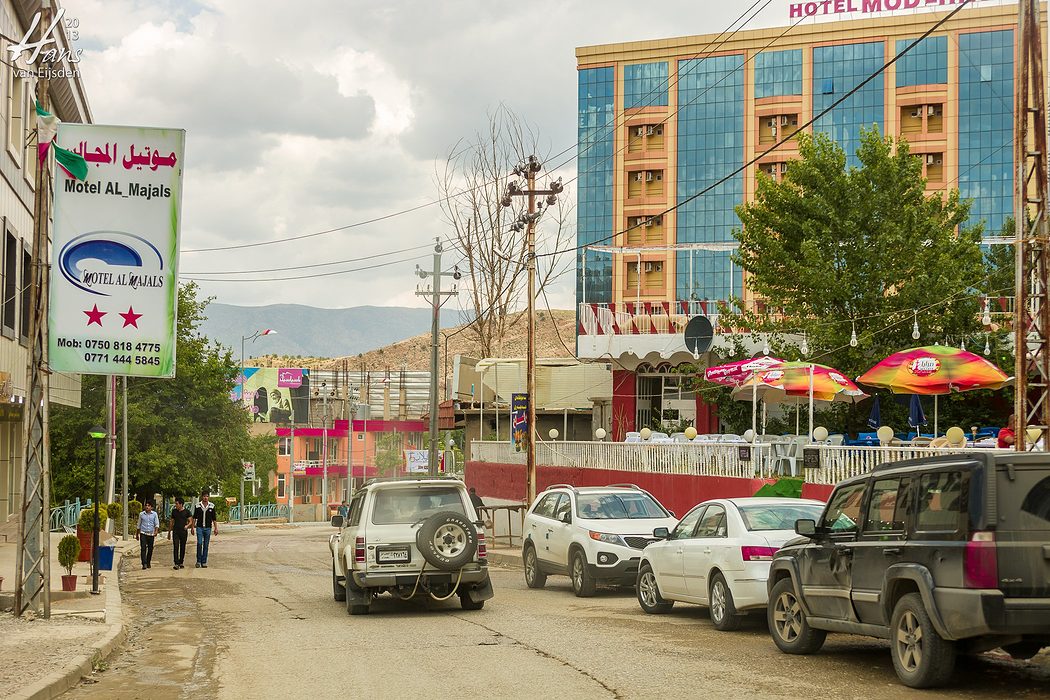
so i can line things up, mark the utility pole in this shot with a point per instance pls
(32, 564)
(324, 449)
(528, 169)
(1032, 246)
(124, 467)
(435, 294)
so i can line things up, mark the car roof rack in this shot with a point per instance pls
(636, 487)
(560, 486)
(420, 477)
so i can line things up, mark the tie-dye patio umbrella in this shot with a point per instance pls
(934, 371)
(800, 382)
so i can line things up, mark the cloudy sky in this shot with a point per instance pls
(303, 117)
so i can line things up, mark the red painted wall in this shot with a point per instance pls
(820, 492)
(706, 416)
(678, 492)
(624, 404)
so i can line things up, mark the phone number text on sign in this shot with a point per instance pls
(114, 352)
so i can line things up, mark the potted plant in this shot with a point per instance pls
(68, 553)
(85, 526)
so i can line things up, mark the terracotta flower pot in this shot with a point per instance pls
(69, 583)
(85, 544)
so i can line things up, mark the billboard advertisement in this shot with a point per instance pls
(519, 422)
(115, 252)
(275, 395)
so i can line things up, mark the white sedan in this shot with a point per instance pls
(718, 556)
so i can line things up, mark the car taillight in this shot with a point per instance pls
(482, 550)
(980, 568)
(359, 550)
(757, 553)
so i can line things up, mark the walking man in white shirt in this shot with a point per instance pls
(149, 526)
(207, 527)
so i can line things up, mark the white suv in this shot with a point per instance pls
(410, 537)
(591, 534)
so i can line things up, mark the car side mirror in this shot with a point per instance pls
(566, 518)
(806, 527)
(337, 521)
(661, 533)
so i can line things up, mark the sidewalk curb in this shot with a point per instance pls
(505, 558)
(54, 684)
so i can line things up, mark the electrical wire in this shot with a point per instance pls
(304, 267)
(303, 277)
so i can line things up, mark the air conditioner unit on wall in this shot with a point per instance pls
(648, 175)
(639, 176)
(784, 120)
(648, 267)
(650, 131)
(772, 123)
(931, 110)
(640, 131)
(916, 113)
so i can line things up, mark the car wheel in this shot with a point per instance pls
(649, 597)
(338, 589)
(534, 578)
(467, 604)
(788, 624)
(921, 657)
(723, 612)
(447, 540)
(582, 581)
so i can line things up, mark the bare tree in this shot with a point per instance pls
(472, 182)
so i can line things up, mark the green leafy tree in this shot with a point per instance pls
(833, 248)
(183, 433)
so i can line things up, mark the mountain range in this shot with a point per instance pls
(309, 331)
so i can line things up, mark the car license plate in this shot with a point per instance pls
(393, 555)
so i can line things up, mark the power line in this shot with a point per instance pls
(303, 267)
(303, 277)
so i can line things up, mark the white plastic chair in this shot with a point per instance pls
(836, 439)
(790, 455)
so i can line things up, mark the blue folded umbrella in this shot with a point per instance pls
(916, 416)
(875, 418)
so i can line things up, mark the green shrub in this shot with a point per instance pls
(115, 510)
(87, 517)
(68, 551)
(134, 508)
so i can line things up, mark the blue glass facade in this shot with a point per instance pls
(594, 212)
(986, 95)
(836, 71)
(778, 73)
(644, 85)
(710, 147)
(925, 64)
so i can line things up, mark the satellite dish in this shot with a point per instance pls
(699, 335)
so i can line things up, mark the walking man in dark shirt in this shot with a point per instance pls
(207, 527)
(178, 530)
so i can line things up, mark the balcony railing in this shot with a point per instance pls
(735, 459)
(643, 317)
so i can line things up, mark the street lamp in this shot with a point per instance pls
(98, 435)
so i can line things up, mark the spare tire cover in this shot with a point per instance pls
(447, 540)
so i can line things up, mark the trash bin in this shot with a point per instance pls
(105, 558)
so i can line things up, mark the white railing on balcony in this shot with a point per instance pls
(706, 458)
(642, 317)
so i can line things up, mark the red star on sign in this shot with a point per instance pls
(95, 316)
(130, 318)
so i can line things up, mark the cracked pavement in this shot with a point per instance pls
(260, 621)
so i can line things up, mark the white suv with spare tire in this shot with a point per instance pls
(410, 537)
(591, 534)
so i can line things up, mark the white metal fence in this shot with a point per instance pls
(705, 459)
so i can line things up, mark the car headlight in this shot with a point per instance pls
(607, 538)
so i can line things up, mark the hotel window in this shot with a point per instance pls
(645, 85)
(280, 486)
(774, 127)
(645, 230)
(934, 167)
(773, 170)
(8, 310)
(284, 447)
(651, 281)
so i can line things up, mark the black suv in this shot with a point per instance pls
(940, 556)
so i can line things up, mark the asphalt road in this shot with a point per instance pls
(261, 622)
